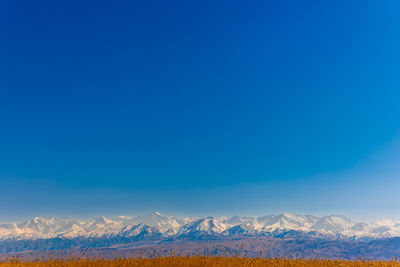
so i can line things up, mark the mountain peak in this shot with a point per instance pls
(334, 225)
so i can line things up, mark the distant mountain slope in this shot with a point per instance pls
(245, 246)
(169, 226)
(149, 230)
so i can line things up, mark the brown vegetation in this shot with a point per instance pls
(194, 261)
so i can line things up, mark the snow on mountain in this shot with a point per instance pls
(334, 224)
(271, 223)
(139, 231)
(382, 229)
(42, 228)
(167, 225)
(101, 226)
(208, 226)
(156, 224)
(241, 230)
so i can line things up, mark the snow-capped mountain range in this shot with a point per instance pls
(157, 226)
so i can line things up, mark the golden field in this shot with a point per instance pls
(194, 261)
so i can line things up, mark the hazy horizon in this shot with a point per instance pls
(200, 216)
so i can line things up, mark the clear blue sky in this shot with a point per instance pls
(199, 107)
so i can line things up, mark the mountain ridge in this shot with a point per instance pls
(333, 226)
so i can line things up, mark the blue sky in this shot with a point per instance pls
(198, 107)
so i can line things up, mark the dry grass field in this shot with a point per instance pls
(178, 261)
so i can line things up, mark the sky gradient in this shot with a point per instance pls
(199, 108)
